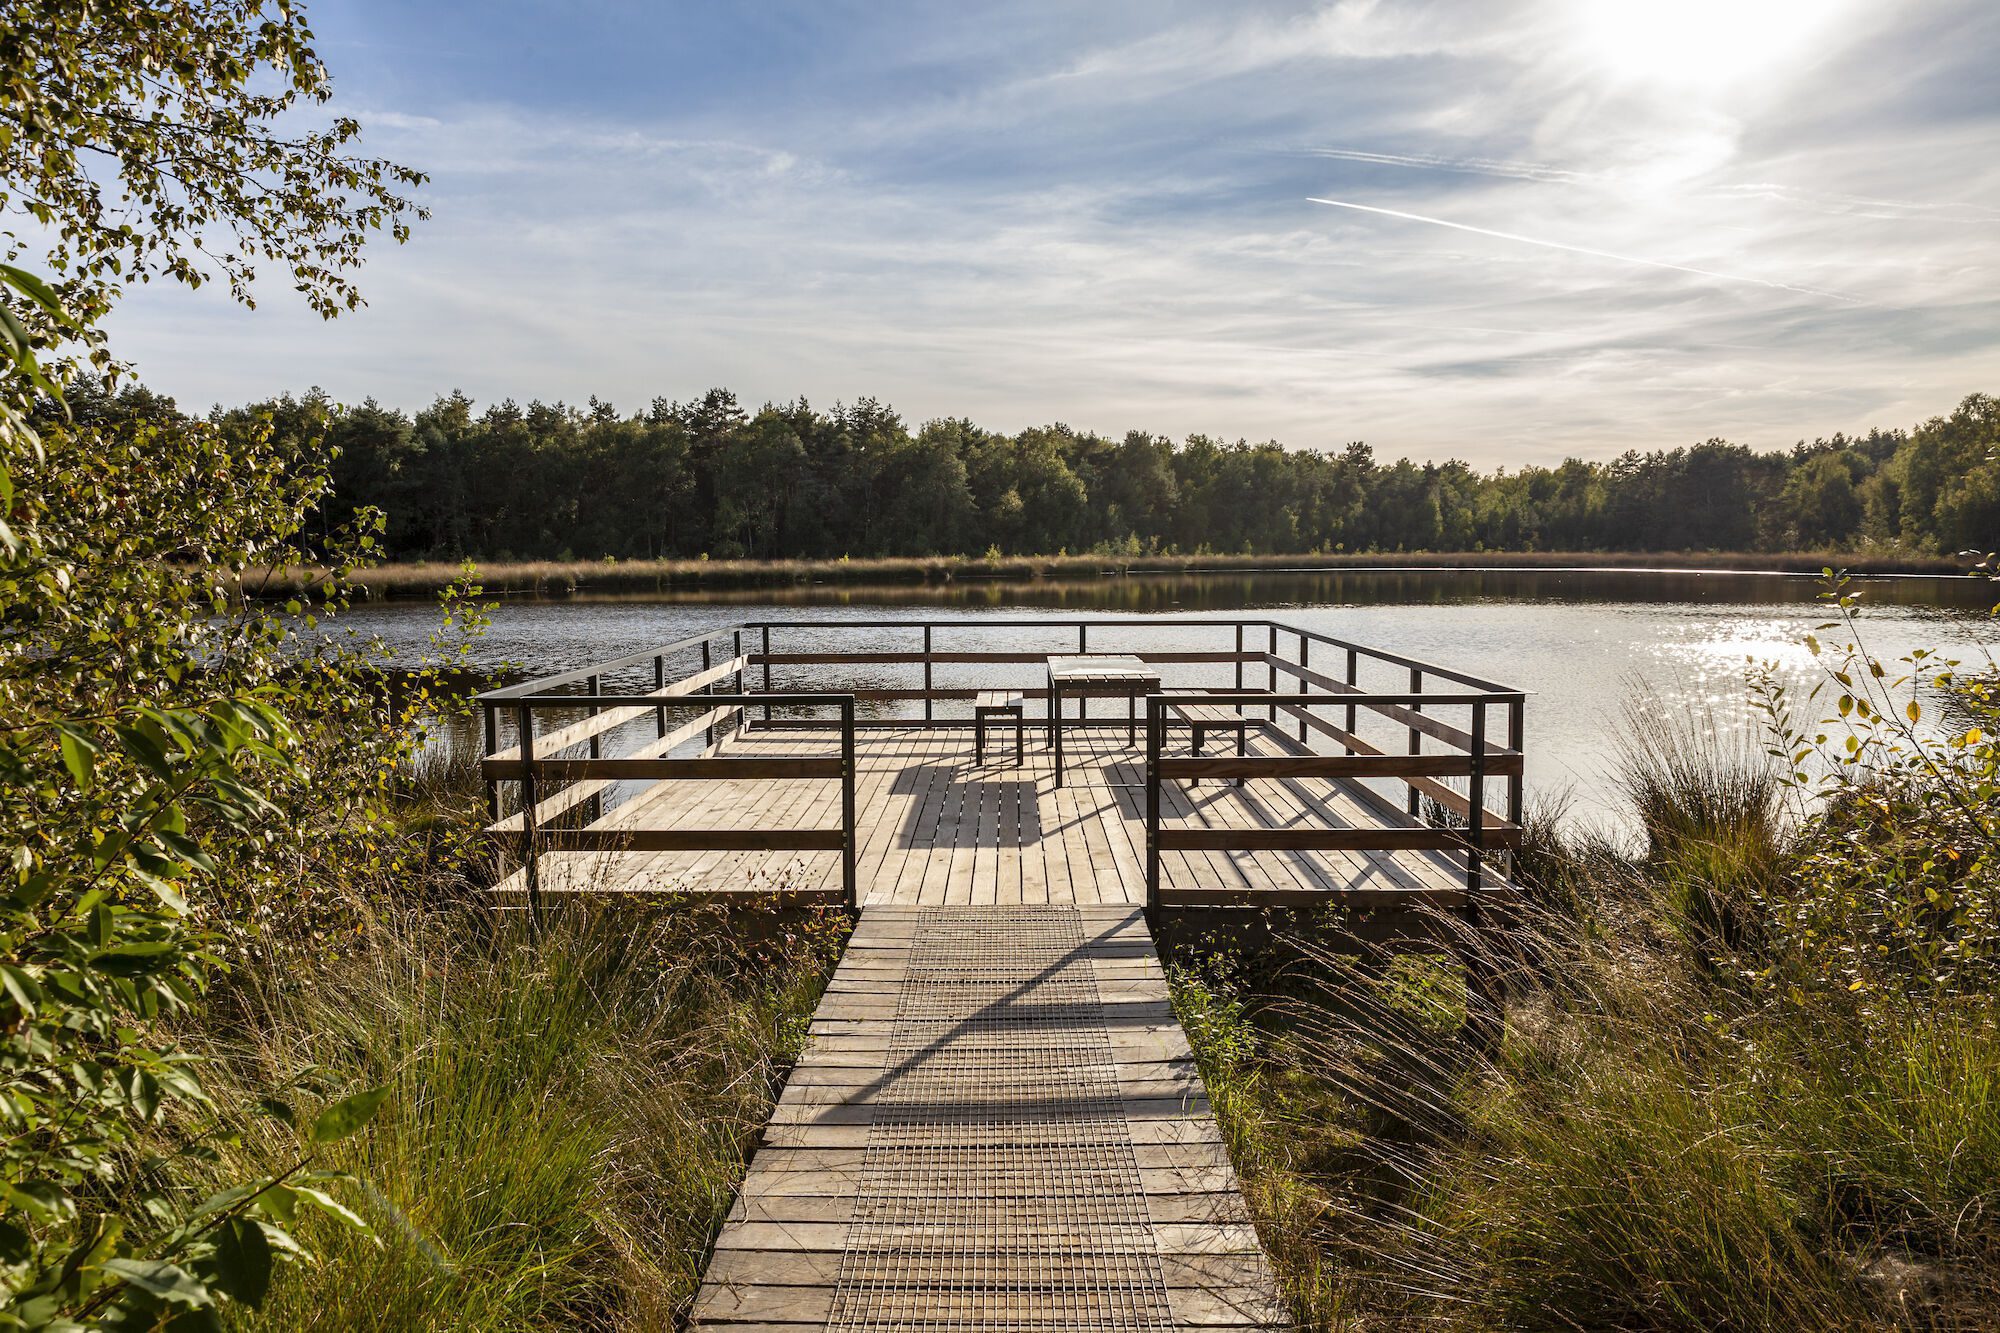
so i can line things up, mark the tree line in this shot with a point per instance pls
(707, 477)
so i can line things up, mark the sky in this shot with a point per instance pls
(1503, 232)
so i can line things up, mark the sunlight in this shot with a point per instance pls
(1696, 43)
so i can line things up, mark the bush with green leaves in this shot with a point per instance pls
(157, 739)
(1897, 881)
(171, 765)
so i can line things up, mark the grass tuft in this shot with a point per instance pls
(568, 1116)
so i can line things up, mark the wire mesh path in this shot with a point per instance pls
(997, 1124)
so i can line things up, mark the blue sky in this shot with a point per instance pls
(1561, 227)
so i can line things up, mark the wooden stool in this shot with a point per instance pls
(1204, 718)
(992, 704)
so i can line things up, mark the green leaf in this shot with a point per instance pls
(43, 1198)
(348, 1114)
(169, 1282)
(37, 291)
(27, 992)
(242, 1261)
(79, 756)
(333, 1208)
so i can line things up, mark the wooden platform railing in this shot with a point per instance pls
(1469, 828)
(1313, 691)
(538, 759)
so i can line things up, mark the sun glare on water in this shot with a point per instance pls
(1697, 43)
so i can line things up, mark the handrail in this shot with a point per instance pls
(1475, 761)
(520, 764)
(749, 650)
(507, 693)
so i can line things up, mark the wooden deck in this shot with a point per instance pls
(937, 829)
(996, 1125)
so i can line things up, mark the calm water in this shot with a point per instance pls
(1582, 641)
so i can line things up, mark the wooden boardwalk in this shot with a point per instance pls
(996, 1125)
(938, 829)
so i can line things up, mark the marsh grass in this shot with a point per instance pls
(1708, 799)
(563, 578)
(1663, 1142)
(568, 1116)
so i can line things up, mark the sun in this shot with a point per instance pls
(1697, 43)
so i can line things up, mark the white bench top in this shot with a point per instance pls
(1099, 668)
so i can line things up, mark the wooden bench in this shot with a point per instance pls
(1202, 718)
(992, 705)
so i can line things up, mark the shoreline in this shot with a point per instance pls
(581, 577)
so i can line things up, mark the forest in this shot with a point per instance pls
(708, 478)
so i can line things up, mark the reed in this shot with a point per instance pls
(568, 1118)
(629, 577)
(1664, 1141)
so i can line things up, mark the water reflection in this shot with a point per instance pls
(1159, 593)
(1582, 640)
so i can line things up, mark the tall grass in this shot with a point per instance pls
(1666, 1140)
(1707, 798)
(568, 1114)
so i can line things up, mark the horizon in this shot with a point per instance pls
(1446, 230)
(914, 425)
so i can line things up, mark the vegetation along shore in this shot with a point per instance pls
(550, 578)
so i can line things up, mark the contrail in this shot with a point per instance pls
(1478, 166)
(1586, 250)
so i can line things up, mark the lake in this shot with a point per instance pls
(1583, 641)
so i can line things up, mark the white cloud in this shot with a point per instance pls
(1121, 237)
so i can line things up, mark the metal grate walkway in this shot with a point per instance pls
(996, 1125)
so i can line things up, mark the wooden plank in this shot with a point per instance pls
(577, 732)
(1321, 766)
(685, 770)
(779, 1260)
(1429, 725)
(685, 839)
(577, 793)
(1309, 839)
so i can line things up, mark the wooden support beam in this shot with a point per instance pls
(1320, 766)
(688, 840)
(686, 770)
(577, 793)
(1309, 839)
(577, 732)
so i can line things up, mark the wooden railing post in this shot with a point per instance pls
(1516, 740)
(1353, 682)
(1155, 724)
(767, 670)
(492, 744)
(595, 687)
(736, 655)
(1416, 737)
(927, 671)
(1305, 647)
(851, 838)
(524, 719)
(1271, 657)
(708, 732)
(1082, 697)
(660, 683)
(1485, 1017)
(1475, 818)
(1239, 660)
